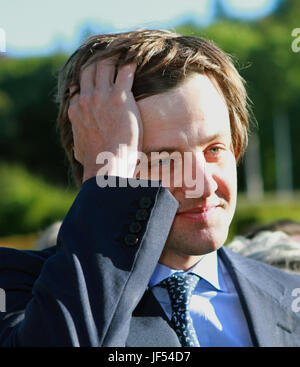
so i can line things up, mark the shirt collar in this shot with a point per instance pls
(207, 268)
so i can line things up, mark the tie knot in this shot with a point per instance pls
(180, 288)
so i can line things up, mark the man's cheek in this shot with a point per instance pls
(230, 170)
(226, 178)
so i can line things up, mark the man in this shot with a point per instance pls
(143, 264)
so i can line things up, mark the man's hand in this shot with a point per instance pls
(105, 114)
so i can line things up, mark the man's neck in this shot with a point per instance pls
(178, 261)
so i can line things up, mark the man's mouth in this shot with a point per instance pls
(199, 209)
(201, 213)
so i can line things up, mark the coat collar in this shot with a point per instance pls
(266, 297)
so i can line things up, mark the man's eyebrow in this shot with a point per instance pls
(220, 135)
(171, 149)
(160, 150)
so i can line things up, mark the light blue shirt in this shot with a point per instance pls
(215, 307)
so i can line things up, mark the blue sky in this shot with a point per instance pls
(40, 27)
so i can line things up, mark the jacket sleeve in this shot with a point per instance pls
(108, 246)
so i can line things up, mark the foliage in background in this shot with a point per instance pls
(28, 116)
(29, 204)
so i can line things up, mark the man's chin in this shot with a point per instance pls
(184, 257)
(197, 243)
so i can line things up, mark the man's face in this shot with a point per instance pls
(194, 118)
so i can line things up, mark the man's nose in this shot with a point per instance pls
(199, 179)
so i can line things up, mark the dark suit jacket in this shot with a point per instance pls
(91, 289)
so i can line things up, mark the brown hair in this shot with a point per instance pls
(164, 60)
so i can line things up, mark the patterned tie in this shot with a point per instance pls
(180, 287)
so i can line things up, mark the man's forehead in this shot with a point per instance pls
(191, 115)
(196, 97)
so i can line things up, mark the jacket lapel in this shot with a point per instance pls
(265, 299)
(150, 326)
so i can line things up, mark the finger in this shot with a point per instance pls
(125, 77)
(87, 80)
(105, 73)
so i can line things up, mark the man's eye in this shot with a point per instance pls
(215, 149)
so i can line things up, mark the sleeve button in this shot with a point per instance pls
(135, 227)
(131, 239)
(141, 214)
